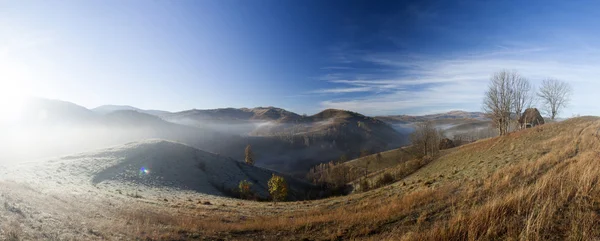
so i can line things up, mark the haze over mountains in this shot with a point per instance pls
(105, 109)
(282, 140)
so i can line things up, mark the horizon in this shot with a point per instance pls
(411, 58)
(255, 107)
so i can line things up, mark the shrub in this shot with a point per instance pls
(384, 180)
(278, 188)
(245, 189)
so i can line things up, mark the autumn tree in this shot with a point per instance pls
(278, 188)
(249, 155)
(555, 95)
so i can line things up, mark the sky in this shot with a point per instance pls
(373, 57)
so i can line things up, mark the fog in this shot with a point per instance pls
(30, 141)
(49, 128)
(24, 143)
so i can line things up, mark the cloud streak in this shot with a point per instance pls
(342, 90)
(423, 84)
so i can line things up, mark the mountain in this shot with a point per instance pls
(53, 127)
(105, 109)
(231, 115)
(286, 141)
(46, 111)
(276, 122)
(282, 140)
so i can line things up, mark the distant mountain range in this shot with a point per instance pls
(281, 115)
(452, 115)
(281, 140)
(105, 109)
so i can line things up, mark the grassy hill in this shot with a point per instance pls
(536, 184)
(156, 163)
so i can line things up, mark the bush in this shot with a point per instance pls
(245, 189)
(384, 180)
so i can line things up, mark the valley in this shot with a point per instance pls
(299, 120)
(453, 188)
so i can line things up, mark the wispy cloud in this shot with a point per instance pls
(342, 90)
(423, 83)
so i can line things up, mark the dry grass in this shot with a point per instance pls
(537, 184)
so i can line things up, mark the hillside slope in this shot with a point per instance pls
(535, 184)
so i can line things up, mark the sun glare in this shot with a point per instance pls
(12, 99)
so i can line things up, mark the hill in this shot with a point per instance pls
(535, 184)
(156, 164)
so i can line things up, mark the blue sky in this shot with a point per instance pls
(390, 57)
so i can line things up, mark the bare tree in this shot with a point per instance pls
(425, 139)
(556, 95)
(522, 95)
(499, 99)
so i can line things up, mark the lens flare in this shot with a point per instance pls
(144, 171)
